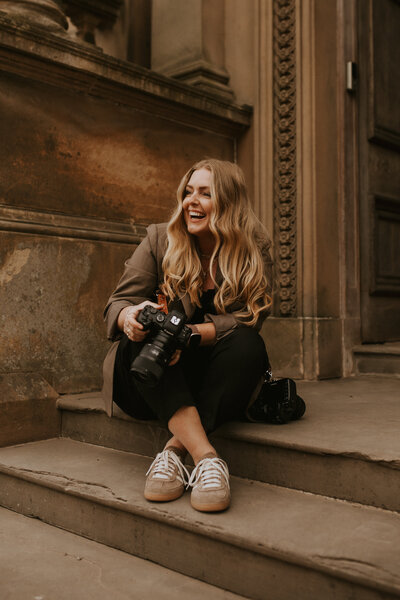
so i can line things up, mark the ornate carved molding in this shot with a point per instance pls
(284, 99)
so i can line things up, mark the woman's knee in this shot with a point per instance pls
(244, 345)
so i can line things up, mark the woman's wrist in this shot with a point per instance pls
(207, 332)
(122, 316)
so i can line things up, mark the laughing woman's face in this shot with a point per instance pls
(197, 203)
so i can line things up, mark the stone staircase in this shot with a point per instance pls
(315, 509)
(38, 561)
(377, 359)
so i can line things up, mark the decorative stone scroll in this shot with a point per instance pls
(88, 15)
(284, 101)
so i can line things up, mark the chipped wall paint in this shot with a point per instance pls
(13, 265)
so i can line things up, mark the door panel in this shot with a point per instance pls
(379, 143)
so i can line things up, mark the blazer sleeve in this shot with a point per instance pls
(225, 324)
(138, 282)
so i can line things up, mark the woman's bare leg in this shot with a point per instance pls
(188, 433)
(176, 444)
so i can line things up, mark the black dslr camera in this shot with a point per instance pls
(277, 402)
(169, 334)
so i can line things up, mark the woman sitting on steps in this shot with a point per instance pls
(212, 263)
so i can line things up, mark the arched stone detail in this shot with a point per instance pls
(284, 100)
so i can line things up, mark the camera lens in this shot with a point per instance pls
(168, 333)
(147, 370)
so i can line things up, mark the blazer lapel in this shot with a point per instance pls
(188, 307)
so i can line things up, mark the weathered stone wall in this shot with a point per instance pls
(80, 157)
(92, 150)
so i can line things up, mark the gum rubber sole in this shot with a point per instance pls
(215, 507)
(163, 497)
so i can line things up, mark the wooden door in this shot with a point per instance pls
(379, 161)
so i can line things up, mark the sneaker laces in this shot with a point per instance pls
(165, 464)
(210, 473)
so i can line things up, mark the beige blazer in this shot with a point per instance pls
(142, 276)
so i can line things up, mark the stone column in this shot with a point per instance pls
(188, 40)
(44, 13)
(51, 15)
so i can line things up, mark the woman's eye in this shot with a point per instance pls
(207, 194)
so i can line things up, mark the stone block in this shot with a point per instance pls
(307, 348)
(283, 340)
(79, 181)
(81, 156)
(27, 409)
(53, 294)
(329, 348)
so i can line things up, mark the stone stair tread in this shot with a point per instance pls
(343, 417)
(385, 348)
(41, 561)
(349, 541)
(83, 402)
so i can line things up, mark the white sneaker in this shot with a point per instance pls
(166, 477)
(210, 483)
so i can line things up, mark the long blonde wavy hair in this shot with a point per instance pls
(235, 228)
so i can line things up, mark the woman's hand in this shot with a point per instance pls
(175, 358)
(127, 321)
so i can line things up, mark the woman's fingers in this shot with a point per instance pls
(136, 310)
(138, 336)
(175, 358)
(132, 328)
(134, 333)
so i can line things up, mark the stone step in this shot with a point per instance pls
(41, 561)
(378, 359)
(346, 446)
(272, 542)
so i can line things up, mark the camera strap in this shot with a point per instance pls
(162, 301)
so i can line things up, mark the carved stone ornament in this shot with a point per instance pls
(89, 15)
(284, 99)
(44, 13)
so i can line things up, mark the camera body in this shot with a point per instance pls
(277, 402)
(168, 333)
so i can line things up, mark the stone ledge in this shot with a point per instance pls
(378, 359)
(93, 402)
(343, 417)
(30, 221)
(387, 349)
(30, 52)
(84, 403)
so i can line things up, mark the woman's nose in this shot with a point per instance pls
(192, 197)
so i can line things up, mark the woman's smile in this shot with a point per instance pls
(195, 214)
